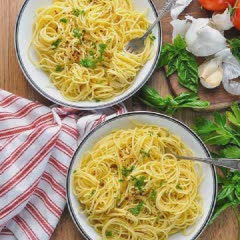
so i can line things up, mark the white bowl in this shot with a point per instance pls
(208, 187)
(40, 80)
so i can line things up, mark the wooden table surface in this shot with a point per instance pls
(12, 79)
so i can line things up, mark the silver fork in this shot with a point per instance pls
(220, 162)
(136, 45)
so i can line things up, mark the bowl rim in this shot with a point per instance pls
(149, 113)
(72, 105)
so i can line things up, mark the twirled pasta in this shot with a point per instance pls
(131, 186)
(80, 44)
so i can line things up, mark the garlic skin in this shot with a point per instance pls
(180, 27)
(211, 73)
(231, 71)
(203, 40)
(222, 21)
(179, 7)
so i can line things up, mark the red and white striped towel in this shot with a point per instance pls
(36, 147)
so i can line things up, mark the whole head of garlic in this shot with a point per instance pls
(203, 40)
(211, 73)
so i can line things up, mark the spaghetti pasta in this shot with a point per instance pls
(80, 44)
(132, 187)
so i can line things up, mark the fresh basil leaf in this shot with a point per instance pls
(187, 69)
(151, 97)
(225, 192)
(178, 59)
(180, 43)
(221, 209)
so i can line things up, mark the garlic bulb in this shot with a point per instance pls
(222, 21)
(179, 7)
(203, 40)
(211, 73)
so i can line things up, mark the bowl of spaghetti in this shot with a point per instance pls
(124, 181)
(72, 52)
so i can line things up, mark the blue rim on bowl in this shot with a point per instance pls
(175, 121)
(72, 105)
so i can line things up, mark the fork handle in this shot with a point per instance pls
(167, 6)
(220, 162)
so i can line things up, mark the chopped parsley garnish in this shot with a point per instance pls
(97, 100)
(77, 12)
(56, 43)
(136, 210)
(76, 33)
(144, 154)
(58, 68)
(88, 63)
(153, 195)
(102, 48)
(126, 171)
(109, 234)
(139, 183)
(179, 187)
(91, 52)
(63, 20)
(152, 37)
(74, 171)
(121, 180)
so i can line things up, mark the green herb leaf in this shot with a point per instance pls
(136, 210)
(126, 171)
(220, 209)
(179, 187)
(225, 192)
(109, 234)
(177, 58)
(170, 105)
(153, 195)
(76, 33)
(144, 153)
(56, 43)
(58, 69)
(63, 20)
(231, 152)
(152, 37)
(139, 183)
(77, 12)
(234, 116)
(235, 47)
(88, 63)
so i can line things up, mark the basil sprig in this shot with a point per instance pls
(170, 105)
(178, 59)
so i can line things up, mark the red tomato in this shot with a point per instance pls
(217, 5)
(236, 16)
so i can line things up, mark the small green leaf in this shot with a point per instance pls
(58, 69)
(136, 210)
(56, 43)
(88, 63)
(109, 234)
(139, 182)
(63, 20)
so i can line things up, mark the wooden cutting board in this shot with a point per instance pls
(218, 97)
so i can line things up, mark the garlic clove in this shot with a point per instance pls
(222, 21)
(211, 73)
